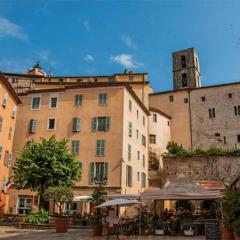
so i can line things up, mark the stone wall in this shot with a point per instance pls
(201, 168)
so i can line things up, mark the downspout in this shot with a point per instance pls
(190, 117)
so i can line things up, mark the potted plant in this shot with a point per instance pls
(96, 217)
(37, 217)
(187, 229)
(60, 195)
(236, 228)
(231, 212)
(160, 228)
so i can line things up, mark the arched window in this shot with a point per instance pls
(184, 80)
(183, 61)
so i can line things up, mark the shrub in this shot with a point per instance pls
(37, 217)
(236, 227)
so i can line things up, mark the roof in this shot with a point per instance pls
(194, 89)
(159, 112)
(212, 185)
(10, 88)
(91, 85)
(80, 76)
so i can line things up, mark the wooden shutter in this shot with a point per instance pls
(107, 123)
(92, 171)
(94, 124)
(106, 171)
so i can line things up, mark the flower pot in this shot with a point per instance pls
(61, 224)
(236, 237)
(227, 234)
(189, 232)
(97, 229)
(159, 232)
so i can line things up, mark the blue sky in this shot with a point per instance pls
(104, 37)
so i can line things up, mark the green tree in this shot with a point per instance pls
(45, 164)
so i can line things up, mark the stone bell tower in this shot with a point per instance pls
(186, 69)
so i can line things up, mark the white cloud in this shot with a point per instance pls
(86, 25)
(127, 40)
(88, 58)
(125, 60)
(10, 29)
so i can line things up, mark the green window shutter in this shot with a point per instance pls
(94, 124)
(32, 125)
(80, 166)
(106, 171)
(107, 123)
(91, 175)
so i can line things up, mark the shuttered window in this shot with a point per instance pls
(102, 99)
(78, 100)
(98, 172)
(100, 149)
(1, 151)
(75, 146)
(76, 124)
(129, 152)
(36, 102)
(32, 125)
(100, 124)
(128, 176)
(143, 180)
(130, 129)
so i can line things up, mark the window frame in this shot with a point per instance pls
(50, 102)
(48, 124)
(102, 99)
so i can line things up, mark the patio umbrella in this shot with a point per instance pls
(118, 202)
(81, 198)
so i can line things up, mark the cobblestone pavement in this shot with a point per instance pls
(10, 233)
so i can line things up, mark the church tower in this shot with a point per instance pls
(186, 69)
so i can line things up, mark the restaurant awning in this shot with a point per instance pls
(180, 189)
(118, 202)
(81, 198)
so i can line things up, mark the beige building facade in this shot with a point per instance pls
(101, 122)
(8, 112)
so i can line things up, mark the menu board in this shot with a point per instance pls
(212, 230)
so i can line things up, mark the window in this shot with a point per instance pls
(1, 123)
(98, 172)
(185, 100)
(76, 124)
(10, 133)
(143, 121)
(130, 105)
(137, 114)
(14, 110)
(102, 99)
(4, 101)
(1, 151)
(10, 158)
(51, 123)
(237, 110)
(100, 124)
(130, 129)
(154, 117)
(129, 152)
(152, 138)
(183, 61)
(211, 112)
(14, 80)
(78, 100)
(138, 176)
(184, 80)
(128, 176)
(238, 138)
(203, 99)
(80, 169)
(36, 103)
(138, 155)
(75, 146)
(137, 133)
(100, 149)
(230, 95)
(32, 125)
(143, 140)
(70, 208)
(171, 99)
(224, 140)
(4, 182)
(130, 78)
(25, 204)
(143, 158)
(53, 102)
(143, 180)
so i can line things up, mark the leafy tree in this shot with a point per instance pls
(45, 164)
(59, 195)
